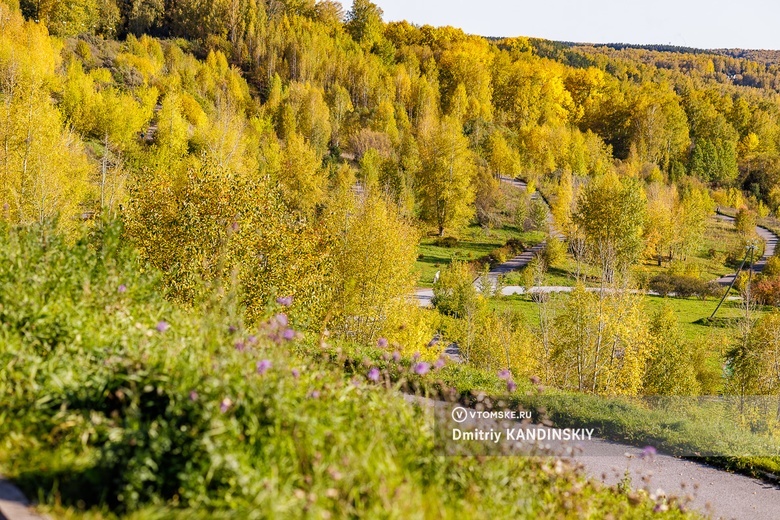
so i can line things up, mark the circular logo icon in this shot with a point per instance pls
(459, 414)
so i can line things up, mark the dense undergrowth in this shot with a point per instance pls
(118, 403)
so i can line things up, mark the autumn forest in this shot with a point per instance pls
(214, 214)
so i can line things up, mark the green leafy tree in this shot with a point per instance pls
(611, 214)
(670, 368)
(446, 178)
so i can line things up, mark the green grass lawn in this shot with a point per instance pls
(475, 242)
(561, 275)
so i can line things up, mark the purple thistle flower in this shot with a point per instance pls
(511, 386)
(421, 368)
(234, 226)
(232, 329)
(296, 373)
(439, 363)
(252, 339)
(240, 346)
(263, 366)
(373, 374)
(284, 301)
(225, 405)
(122, 288)
(396, 356)
(648, 452)
(193, 395)
(381, 342)
(415, 356)
(314, 394)
(288, 334)
(504, 374)
(281, 319)
(162, 326)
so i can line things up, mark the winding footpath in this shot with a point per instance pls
(771, 243)
(425, 295)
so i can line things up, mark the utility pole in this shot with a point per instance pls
(749, 253)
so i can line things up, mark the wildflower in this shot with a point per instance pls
(251, 339)
(240, 346)
(225, 405)
(648, 452)
(511, 386)
(234, 226)
(504, 374)
(284, 301)
(288, 334)
(314, 394)
(122, 288)
(296, 373)
(396, 356)
(439, 363)
(162, 326)
(381, 342)
(281, 319)
(193, 395)
(416, 356)
(421, 368)
(232, 329)
(373, 374)
(263, 366)
(535, 380)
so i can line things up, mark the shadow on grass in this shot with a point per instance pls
(72, 487)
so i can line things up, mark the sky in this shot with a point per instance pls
(746, 24)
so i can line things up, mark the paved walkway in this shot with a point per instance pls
(13, 504)
(758, 266)
(710, 490)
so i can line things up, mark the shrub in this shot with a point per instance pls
(499, 255)
(515, 245)
(446, 242)
(766, 291)
(772, 267)
(454, 294)
(683, 286)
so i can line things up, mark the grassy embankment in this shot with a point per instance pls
(117, 403)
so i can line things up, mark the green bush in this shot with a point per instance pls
(683, 286)
(499, 255)
(446, 242)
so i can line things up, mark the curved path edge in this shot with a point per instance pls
(711, 491)
(14, 505)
